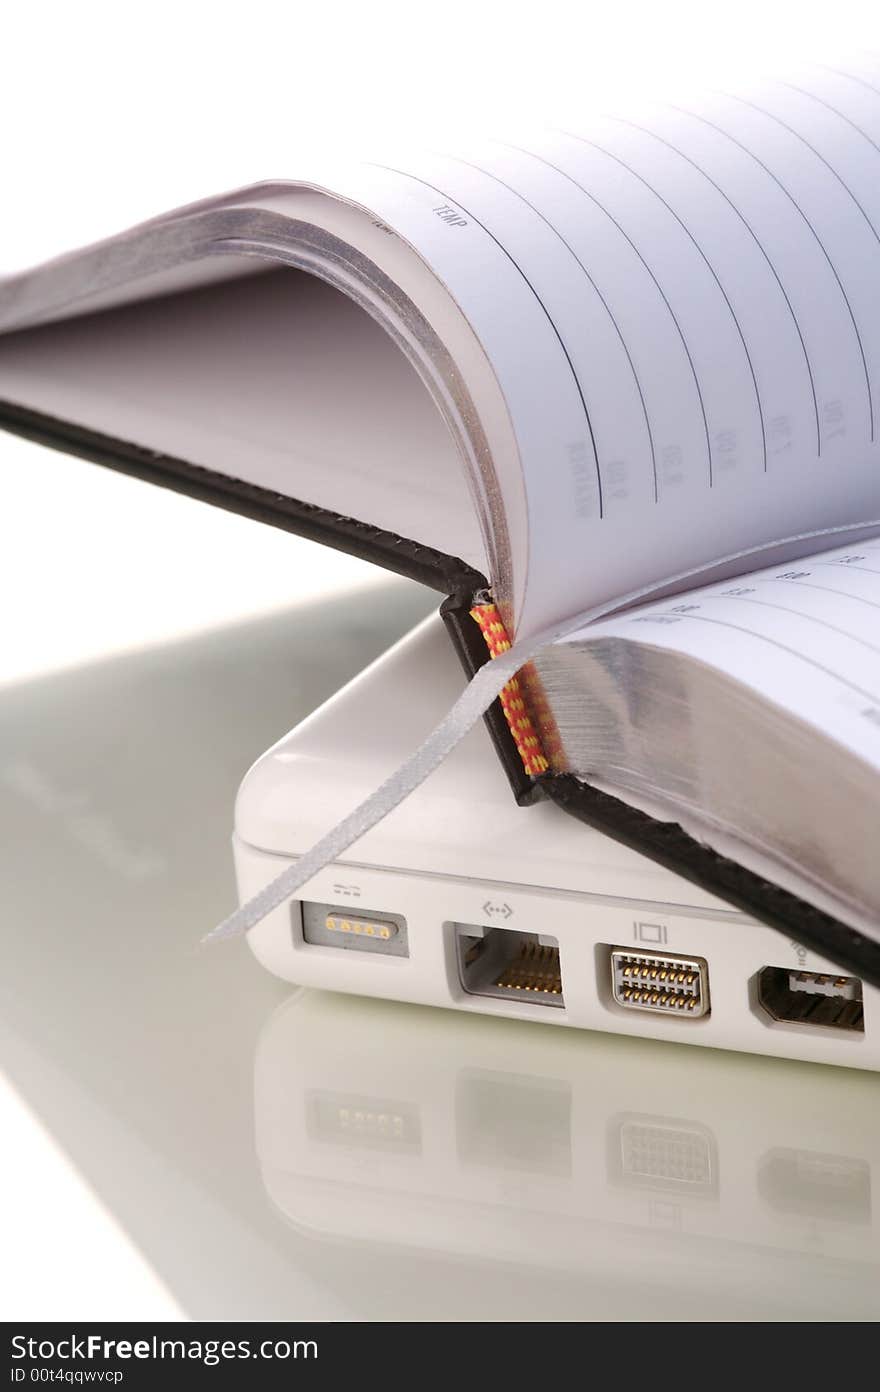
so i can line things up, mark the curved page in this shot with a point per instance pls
(654, 339)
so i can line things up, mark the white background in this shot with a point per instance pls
(110, 113)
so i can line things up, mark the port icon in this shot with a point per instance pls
(663, 983)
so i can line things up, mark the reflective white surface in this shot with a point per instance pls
(440, 1165)
(293, 1156)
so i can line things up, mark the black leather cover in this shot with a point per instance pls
(666, 842)
(432, 568)
(663, 842)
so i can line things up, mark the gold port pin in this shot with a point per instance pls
(360, 927)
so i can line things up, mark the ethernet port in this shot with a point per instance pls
(508, 1122)
(509, 965)
(788, 995)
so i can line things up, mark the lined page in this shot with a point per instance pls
(805, 637)
(682, 307)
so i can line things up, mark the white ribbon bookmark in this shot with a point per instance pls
(474, 701)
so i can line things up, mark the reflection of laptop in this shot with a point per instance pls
(460, 898)
(716, 1185)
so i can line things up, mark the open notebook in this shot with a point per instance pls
(614, 389)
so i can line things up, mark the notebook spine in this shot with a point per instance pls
(473, 653)
(514, 698)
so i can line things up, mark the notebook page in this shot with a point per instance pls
(804, 636)
(681, 308)
(681, 314)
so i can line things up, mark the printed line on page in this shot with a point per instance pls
(829, 589)
(783, 647)
(838, 565)
(555, 230)
(404, 173)
(851, 77)
(795, 204)
(798, 613)
(683, 225)
(805, 92)
(542, 159)
(759, 244)
(830, 167)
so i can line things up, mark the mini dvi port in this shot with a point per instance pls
(667, 984)
(664, 1153)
